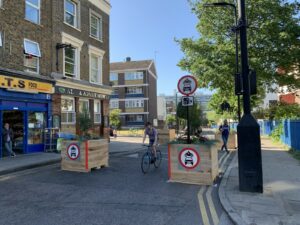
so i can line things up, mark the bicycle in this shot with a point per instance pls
(148, 159)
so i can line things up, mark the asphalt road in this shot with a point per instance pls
(118, 195)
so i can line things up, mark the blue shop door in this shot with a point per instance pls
(35, 131)
(15, 119)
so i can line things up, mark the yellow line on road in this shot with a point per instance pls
(211, 206)
(222, 166)
(204, 215)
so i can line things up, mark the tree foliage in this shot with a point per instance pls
(284, 111)
(194, 114)
(85, 122)
(170, 119)
(114, 118)
(273, 42)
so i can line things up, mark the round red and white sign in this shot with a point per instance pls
(187, 85)
(73, 151)
(189, 158)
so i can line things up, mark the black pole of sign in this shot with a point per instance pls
(188, 125)
(249, 150)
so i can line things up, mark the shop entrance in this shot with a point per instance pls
(15, 119)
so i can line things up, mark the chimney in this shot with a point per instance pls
(128, 59)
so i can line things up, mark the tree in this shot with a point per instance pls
(273, 41)
(170, 119)
(85, 122)
(114, 118)
(194, 114)
(284, 111)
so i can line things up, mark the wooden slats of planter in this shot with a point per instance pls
(93, 154)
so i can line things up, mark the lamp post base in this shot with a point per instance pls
(249, 155)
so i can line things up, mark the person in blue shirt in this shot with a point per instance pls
(153, 137)
(224, 129)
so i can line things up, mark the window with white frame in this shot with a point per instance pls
(97, 111)
(95, 69)
(70, 62)
(113, 76)
(134, 75)
(32, 54)
(114, 104)
(134, 90)
(134, 103)
(72, 13)
(95, 26)
(68, 110)
(33, 11)
(96, 57)
(84, 106)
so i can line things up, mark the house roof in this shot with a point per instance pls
(131, 65)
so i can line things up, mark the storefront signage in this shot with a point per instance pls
(73, 151)
(24, 85)
(80, 93)
(189, 158)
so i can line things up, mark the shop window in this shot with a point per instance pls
(95, 69)
(70, 62)
(134, 76)
(96, 26)
(31, 56)
(72, 13)
(84, 106)
(36, 126)
(68, 111)
(114, 104)
(97, 111)
(32, 11)
(113, 76)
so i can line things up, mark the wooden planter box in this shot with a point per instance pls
(84, 156)
(232, 141)
(203, 171)
(165, 136)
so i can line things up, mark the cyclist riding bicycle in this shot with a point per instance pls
(153, 137)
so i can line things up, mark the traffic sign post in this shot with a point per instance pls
(187, 85)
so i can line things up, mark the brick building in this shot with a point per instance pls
(134, 91)
(54, 64)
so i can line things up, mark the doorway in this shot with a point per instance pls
(15, 119)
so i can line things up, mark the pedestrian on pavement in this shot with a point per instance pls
(153, 137)
(7, 139)
(224, 129)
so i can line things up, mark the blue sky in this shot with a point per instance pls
(145, 29)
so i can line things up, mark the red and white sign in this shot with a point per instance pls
(187, 85)
(189, 158)
(73, 151)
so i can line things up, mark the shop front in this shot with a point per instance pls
(26, 106)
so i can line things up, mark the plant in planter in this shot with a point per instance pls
(85, 123)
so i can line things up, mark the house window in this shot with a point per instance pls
(32, 11)
(32, 54)
(68, 110)
(95, 69)
(134, 118)
(134, 103)
(84, 106)
(113, 77)
(70, 62)
(71, 13)
(134, 90)
(114, 104)
(97, 111)
(134, 75)
(96, 26)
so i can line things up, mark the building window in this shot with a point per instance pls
(31, 56)
(71, 13)
(134, 118)
(96, 26)
(115, 91)
(97, 111)
(134, 75)
(32, 11)
(95, 69)
(114, 104)
(84, 106)
(113, 77)
(134, 103)
(68, 110)
(70, 62)
(134, 90)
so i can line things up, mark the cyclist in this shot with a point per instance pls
(153, 137)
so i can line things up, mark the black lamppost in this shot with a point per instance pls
(237, 75)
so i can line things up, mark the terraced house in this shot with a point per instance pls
(54, 64)
(134, 91)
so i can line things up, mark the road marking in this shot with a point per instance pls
(203, 211)
(211, 206)
(222, 166)
(222, 157)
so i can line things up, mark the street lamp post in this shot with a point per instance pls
(226, 4)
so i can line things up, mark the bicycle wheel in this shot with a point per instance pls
(158, 159)
(146, 161)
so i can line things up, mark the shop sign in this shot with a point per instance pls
(73, 151)
(189, 158)
(80, 93)
(14, 83)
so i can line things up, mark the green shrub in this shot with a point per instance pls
(277, 132)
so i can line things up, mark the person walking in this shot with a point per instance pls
(7, 139)
(224, 129)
